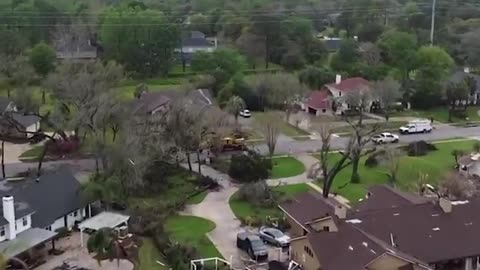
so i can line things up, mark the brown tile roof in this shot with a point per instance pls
(319, 100)
(384, 196)
(309, 206)
(350, 84)
(425, 231)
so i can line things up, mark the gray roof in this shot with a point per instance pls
(4, 102)
(196, 42)
(54, 195)
(25, 120)
(461, 75)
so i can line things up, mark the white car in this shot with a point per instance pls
(385, 137)
(245, 113)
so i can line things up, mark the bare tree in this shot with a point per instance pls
(271, 132)
(248, 45)
(457, 186)
(387, 92)
(370, 53)
(329, 166)
(391, 160)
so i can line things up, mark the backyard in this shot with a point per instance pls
(434, 165)
(245, 210)
(192, 231)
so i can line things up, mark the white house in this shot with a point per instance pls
(33, 209)
(14, 123)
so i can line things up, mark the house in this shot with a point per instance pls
(469, 165)
(15, 124)
(460, 76)
(333, 98)
(194, 41)
(389, 229)
(34, 208)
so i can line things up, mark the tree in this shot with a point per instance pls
(247, 43)
(456, 153)
(457, 95)
(42, 59)
(105, 245)
(316, 77)
(145, 50)
(229, 61)
(249, 167)
(387, 92)
(267, 24)
(391, 160)
(346, 58)
(293, 60)
(470, 47)
(271, 133)
(370, 54)
(234, 106)
(199, 22)
(457, 187)
(370, 32)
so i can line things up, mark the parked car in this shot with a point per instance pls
(385, 137)
(417, 126)
(253, 245)
(245, 114)
(274, 236)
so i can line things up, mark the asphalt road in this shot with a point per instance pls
(283, 147)
(441, 133)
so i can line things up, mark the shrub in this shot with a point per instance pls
(249, 167)
(419, 148)
(259, 194)
(63, 146)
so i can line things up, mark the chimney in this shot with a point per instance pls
(445, 204)
(9, 215)
(338, 79)
(340, 211)
(466, 69)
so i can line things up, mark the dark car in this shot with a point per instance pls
(253, 245)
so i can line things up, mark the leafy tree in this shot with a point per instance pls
(200, 22)
(247, 43)
(105, 245)
(314, 51)
(316, 77)
(42, 58)
(299, 29)
(145, 50)
(470, 47)
(370, 32)
(232, 25)
(457, 95)
(229, 61)
(249, 167)
(234, 106)
(456, 153)
(293, 60)
(12, 43)
(267, 24)
(346, 57)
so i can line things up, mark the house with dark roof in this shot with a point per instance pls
(332, 98)
(462, 75)
(192, 42)
(34, 208)
(16, 124)
(388, 229)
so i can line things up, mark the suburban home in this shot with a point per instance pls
(34, 208)
(332, 98)
(153, 102)
(469, 165)
(195, 41)
(389, 229)
(460, 76)
(15, 124)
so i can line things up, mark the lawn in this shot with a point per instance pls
(435, 164)
(192, 231)
(286, 167)
(32, 154)
(262, 118)
(197, 198)
(148, 255)
(244, 210)
(441, 114)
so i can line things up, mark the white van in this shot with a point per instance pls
(417, 126)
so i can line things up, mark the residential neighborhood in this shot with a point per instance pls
(240, 135)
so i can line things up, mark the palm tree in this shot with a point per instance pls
(105, 245)
(456, 153)
(234, 106)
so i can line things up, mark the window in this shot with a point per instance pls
(326, 228)
(2, 231)
(49, 228)
(75, 214)
(25, 221)
(324, 110)
(308, 251)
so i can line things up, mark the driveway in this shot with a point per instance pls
(13, 151)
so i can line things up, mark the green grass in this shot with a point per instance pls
(33, 153)
(148, 255)
(243, 209)
(197, 198)
(262, 118)
(192, 231)
(435, 164)
(441, 114)
(286, 167)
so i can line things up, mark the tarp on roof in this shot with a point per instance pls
(24, 241)
(104, 220)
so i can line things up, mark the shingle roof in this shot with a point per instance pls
(425, 230)
(309, 206)
(355, 83)
(383, 196)
(54, 195)
(25, 120)
(318, 100)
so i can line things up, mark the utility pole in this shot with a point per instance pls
(432, 29)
